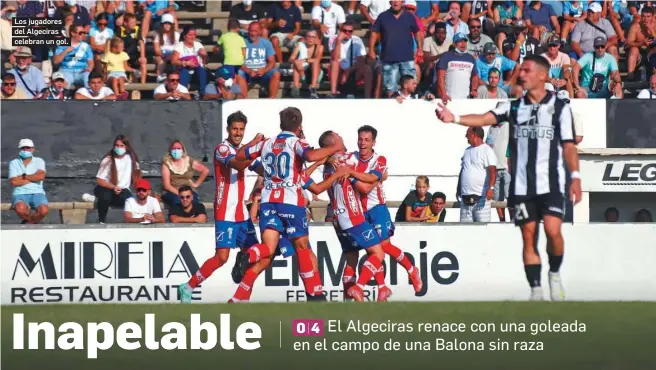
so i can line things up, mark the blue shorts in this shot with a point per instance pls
(284, 218)
(381, 220)
(285, 247)
(228, 234)
(259, 80)
(363, 236)
(32, 200)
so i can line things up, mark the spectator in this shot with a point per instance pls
(306, 57)
(69, 19)
(506, 12)
(6, 45)
(233, 46)
(641, 35)
(643, 215)
(26, 175)
(284, 23)
(154, 11)
(187, 211)
(348, 63)
(143, 208)
(178, 169)
(560, 73)
(594, 26)
(118, 170)
(81, 16)
(57, 89)
(599, 74)
(28, 77)
(29, 9)
(116, 64)
(649, 93)
(75, 61)
(611, 215)
(328, 18)
(99, 34)
(542, 20)
(476, 39)
(225, 87)
(481, 10)
(96, 90)
(434, 47)
(491, 90)
(134, 46)
(407, 90)
(428, 13)
(520, 44)
(477, 178)
(171, 89)
(371, 9)
(164, 44)
(395, 28)
(573, 13)
(9, 89)
(189, 56)
(411, 7)
(497, 139)
(246, 13)
(260, 62)
(491, 59)
(454, 24)
(413, 204)
(457, 75)
(435, 212)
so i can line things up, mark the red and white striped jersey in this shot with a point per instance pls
(377, 165)
(229, 193)
(344, 200)
(282, 159)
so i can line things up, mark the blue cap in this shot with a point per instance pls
(225, 73)
(459, 37)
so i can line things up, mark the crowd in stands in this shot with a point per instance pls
(451, 49)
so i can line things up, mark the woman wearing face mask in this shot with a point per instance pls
(118, 171)
(178, 169)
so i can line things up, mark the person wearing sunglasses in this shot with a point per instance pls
(9, 89)
(187, 211)
(600, 76)
(171, 89)
(75, 61)
(143, 208)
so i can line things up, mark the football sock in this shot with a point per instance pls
(555, 262)
(533, 275)
(245, 288)
(310, 278)
(258, 252)
(369, 269)
(398, 255)
(380, 276)
(211, 265)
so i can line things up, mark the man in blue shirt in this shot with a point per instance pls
(490, 59)
(597, 63)
(75, 61)
(541, 18)
(26, 175)
(395, 29)
(284, 22)
(260, 62)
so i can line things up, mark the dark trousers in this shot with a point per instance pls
(106, 198)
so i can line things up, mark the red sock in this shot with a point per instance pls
(310, 277)
(380, 277)
(245, 288)
(205, 271)
(398, 255)
(348, 275)
(258, 252)
(369, 269)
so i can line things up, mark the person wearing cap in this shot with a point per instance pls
(9, 89)
(457, 75)
(154, 11)
(57, 89)
(520, 43)
(490, 88)
(594, 67)
(641, 36)
(163, 45)
(560, 74)
(26, 175)
(595, 26)
(541, 19)
(143, 208)
(225, 87)
(453, 22)
(490, 58)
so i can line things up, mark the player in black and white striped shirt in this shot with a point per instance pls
(542, 142)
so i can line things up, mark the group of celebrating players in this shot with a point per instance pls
(355, 185)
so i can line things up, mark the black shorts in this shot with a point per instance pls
(534, 208)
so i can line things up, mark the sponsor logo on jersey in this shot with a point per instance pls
(534, 132)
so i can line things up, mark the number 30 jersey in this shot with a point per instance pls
(282, 158)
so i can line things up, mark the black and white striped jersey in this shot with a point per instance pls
(537, 132)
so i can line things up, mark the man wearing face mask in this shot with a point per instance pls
(80, 14)
(26, 175)
(225, 87)
(457, 75)
(28, 77)
(327, 17)
(57, 90)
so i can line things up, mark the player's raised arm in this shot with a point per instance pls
(469, 120)
(318, 188)
(251, 150)
(313, 155)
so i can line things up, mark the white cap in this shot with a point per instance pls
(23, 143)
(563, 94)
(410, 3)
(57, 76)
(167, 18)
(595, 7)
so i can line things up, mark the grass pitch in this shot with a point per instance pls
(617, 336)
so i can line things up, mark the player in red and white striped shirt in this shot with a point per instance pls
(233, 227)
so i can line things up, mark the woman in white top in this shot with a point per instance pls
(118, 171)
(164, 43)
(99, 34)
(189, 56)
